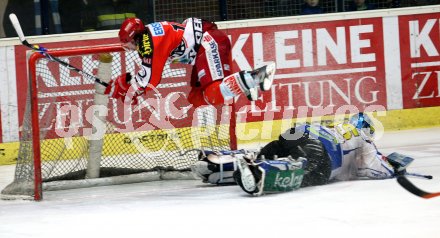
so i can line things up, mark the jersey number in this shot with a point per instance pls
(347, 131)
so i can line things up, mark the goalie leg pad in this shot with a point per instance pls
(271, 176)
(282, 180)
(216, 169)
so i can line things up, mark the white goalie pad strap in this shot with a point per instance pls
(225, 177)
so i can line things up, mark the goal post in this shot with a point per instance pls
(99, 116)
(72, 135)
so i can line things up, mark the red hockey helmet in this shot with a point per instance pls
(130, 28)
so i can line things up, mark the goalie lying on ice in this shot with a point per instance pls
(305, 155)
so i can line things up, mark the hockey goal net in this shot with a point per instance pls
(73, 135)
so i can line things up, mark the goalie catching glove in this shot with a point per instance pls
(122, 88)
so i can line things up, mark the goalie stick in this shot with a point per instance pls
(16, 24)
(418, 175)
(410, 187)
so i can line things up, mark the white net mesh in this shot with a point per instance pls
(161, 133)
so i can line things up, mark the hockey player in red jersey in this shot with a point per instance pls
(196, 42)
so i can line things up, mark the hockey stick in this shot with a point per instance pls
(418, 175)
(410, 187)
(14, 20)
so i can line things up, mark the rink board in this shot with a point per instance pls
(256, 132)
(385, 60)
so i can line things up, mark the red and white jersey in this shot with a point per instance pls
(166, 41)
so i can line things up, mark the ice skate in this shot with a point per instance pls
(246, 177)
(251, 82)
(265, 76)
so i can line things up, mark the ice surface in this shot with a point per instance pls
(366, 208)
